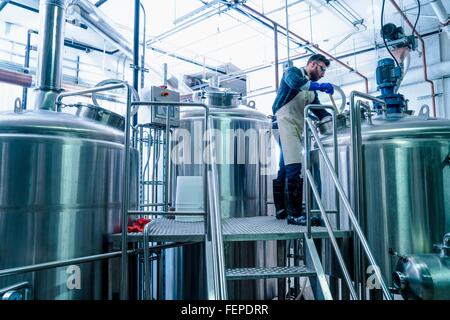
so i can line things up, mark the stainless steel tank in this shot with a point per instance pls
(239, 132)
(60, 198)
(425, 276)
(406, 179)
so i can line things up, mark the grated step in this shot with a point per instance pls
(269, 272)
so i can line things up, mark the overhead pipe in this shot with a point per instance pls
(16, 78)
(315, 46)
(424, 57)
(440, 11)
(3, 4)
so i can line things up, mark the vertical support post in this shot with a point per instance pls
(125, 203)
(306, 185)
(165, 74)
(356, 161)
(287, 32)
(77, 71)
(143, 69)
(26, 65)
(136, 52)
(275, 41)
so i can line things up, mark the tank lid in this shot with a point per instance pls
(41, 122)
(222, 97)
(101, 115)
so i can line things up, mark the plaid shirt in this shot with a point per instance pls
(294, 80)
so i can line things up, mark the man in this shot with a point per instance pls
(298, 88)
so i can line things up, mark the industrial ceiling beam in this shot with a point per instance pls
(100, 2)
(3, 4)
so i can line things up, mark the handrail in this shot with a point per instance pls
(215, 223)
(333, 111)
(166, 179)
(126, 173)
(310, 128)
(344, 270)
(356, 162)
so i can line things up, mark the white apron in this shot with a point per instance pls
(290, 126)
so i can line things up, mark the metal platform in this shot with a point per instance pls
(266, 273)
(233, 229)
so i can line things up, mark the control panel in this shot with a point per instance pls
(156, 115)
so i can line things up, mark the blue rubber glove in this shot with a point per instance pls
(324, 87)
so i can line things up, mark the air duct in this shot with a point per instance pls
(98, 22)
(442, 15)
(51, 42)
(440, 11)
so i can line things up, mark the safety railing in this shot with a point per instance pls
(126, 171)
(311, 131)
(212, 226)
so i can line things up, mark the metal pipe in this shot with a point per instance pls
(135, 65)
(136, 46)
(125, 202)
(287, 30)
(167, 159)
(99, 23)
(26, 65)
(3, 4)
(333, 111)
(16, 78)
(316, 47)
(424, 57)
(51, 42)
(356, 173)
(166, 212)
(60, 263)
(100, 2)
(217, 222)
(275, 40)
(344, 270)
(18, 286)
(85, 259)
(144, 36)
(351, 215)
(147, 277)
(440, 11)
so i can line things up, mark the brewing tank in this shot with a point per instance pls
(406, 185)
(60, 198)
(239, 134)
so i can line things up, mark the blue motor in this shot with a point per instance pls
(388, 79)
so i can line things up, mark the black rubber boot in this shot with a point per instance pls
(295, 211)
(278, 199)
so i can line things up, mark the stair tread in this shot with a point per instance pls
(267, 272)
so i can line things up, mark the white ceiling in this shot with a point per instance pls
(231, 37)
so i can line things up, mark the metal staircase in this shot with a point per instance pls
(214, 231)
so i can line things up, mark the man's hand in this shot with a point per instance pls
(324, 87)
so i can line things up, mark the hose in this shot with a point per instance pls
(344, 98)
(112, 81)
